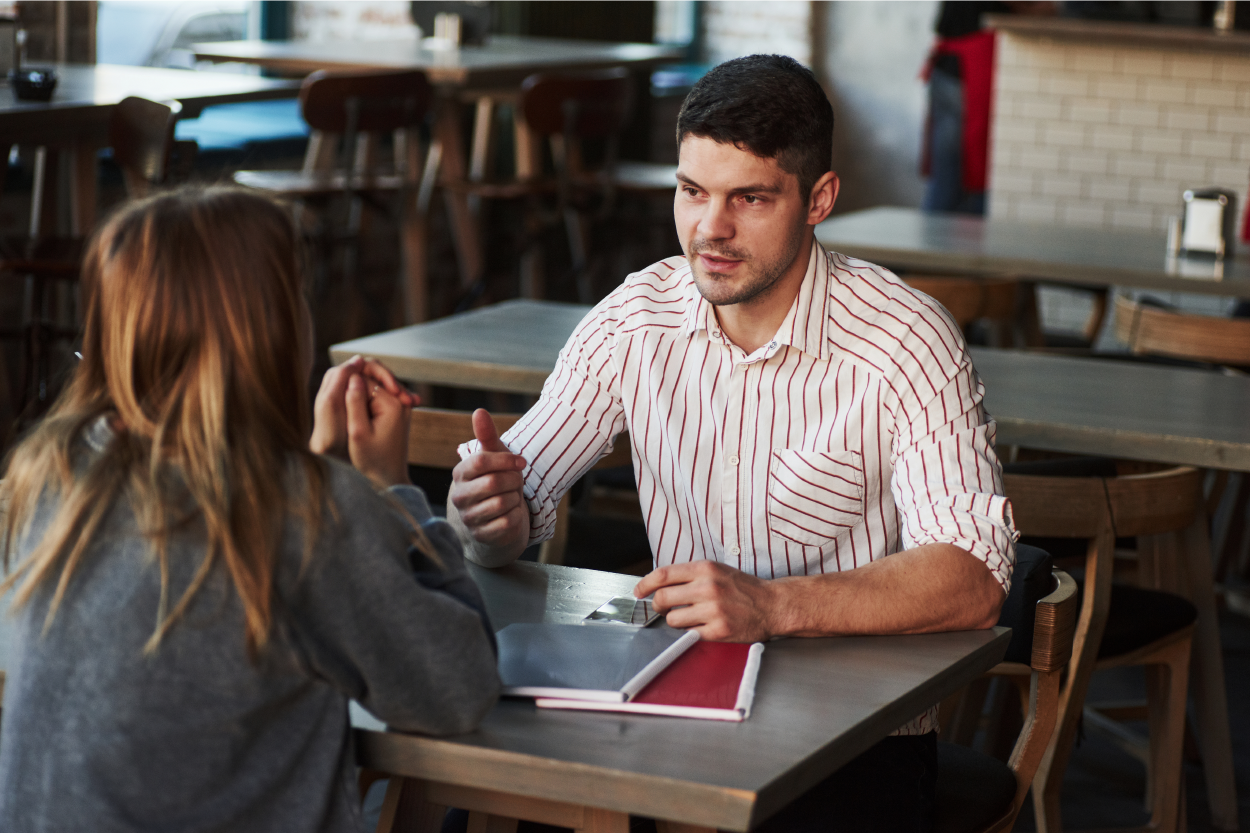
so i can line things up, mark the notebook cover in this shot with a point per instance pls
(711, 681)
(586, 663)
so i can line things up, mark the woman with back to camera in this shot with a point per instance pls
(197, 594)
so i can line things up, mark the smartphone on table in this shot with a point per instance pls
(623, 611)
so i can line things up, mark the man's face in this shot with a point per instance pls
(740, 218)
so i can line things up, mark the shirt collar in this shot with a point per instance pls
(804, 324)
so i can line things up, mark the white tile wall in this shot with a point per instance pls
(1111, 135)
(748, 27)
(327, 20)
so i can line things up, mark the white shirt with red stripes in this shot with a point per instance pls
(856, 432)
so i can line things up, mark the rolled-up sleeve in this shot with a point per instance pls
(948, 483)
(575, 422)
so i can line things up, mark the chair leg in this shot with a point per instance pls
(406, 809)
(1167, 686)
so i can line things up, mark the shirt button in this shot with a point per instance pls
(734, 551)
(772, 344)
(733, 459)
(715, 333)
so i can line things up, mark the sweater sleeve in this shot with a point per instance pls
(407, 638)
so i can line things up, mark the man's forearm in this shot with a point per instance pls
(937, 587)
(487, 555)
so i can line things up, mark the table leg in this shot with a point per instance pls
(407, 809)
(82, 189)
(529, 163)
(464, 227)
(604, 821)
(1207, 686)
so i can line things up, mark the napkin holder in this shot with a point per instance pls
(1210, 218)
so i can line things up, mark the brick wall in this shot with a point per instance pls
(1104, 135)
(782, 27)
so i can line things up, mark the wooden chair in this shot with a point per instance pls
(1156, 331)
(1003, 303)
(141, 135)
(349, 113)
(1153, 330)
(1162, 510)
(435, 434)
(566, 109)
(977, 793)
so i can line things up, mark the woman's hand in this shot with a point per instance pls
(377, 431)
(329, 434)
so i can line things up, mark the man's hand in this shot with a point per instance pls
(377, 432)
(486, 490)
(329, 434)
(721, 603)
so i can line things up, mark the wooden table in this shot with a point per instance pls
(1078, 405)
(922, 241)
(486, 75)
(818, 704)
(76, 119)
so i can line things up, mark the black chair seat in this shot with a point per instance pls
(973, 789)
(1139, 616)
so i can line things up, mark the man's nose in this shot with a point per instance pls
(715, 223)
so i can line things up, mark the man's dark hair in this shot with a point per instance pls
(770, 105)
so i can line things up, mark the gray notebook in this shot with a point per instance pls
(585, 663)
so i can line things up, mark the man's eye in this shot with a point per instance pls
(751, 199)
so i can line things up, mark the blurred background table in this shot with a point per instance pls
(922, 241)
(484, 75)
(501, 61)
(76, 119)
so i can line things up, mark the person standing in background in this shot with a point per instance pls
(960, 72)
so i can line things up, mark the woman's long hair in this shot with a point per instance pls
(196, 348)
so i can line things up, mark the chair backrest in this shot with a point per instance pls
(1154, 331)
(584, 105)
(434, 435)
(141, 134)
(1054, 632)
(970, 299)
(371, 102)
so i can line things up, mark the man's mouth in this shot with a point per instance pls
(717, 263)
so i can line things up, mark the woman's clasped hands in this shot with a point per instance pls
(361, 415)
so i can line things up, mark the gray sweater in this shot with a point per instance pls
(97, 736)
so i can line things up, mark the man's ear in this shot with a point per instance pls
(824, 194)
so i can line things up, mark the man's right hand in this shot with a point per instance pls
(486, 494)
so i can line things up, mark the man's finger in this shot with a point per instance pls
(665, 577)
(484, 463)
(484, 430)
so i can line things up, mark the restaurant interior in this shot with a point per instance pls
(1092, 241)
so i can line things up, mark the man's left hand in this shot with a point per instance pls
(721, 603)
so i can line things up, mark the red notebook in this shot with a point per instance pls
(711, 680)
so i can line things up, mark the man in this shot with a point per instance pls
(796, 416)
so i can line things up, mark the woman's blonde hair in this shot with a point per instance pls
(195, 347)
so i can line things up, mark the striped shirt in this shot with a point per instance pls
(856, 432)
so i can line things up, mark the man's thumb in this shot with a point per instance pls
(484, 430)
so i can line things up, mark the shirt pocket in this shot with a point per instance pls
(814, 496)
